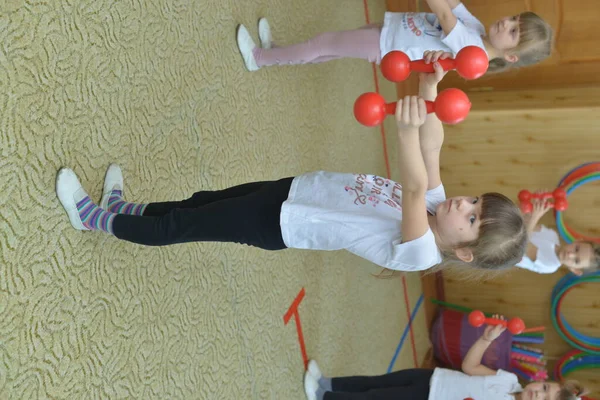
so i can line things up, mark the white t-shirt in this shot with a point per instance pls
(447, 384)
(546, 261)
(413, 33)
(359, 213)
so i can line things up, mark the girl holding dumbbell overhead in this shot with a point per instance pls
(476, 382)
(512, 41)
(407, 225)
(546, 255)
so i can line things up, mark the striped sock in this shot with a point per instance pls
(320, 393)
(117, 205)
(325, 383)
(93, 217)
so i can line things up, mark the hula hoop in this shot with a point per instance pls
(575, 360)
(578, 340)
(575, 178)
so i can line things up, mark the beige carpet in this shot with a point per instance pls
(159, 87)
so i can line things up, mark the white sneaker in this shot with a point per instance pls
(69, 192)
(264, 33)
(113, 180)
(246, 46)
(310, 386)
(314, 370)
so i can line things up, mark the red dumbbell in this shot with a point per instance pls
(451, 106)
(514, 325)
(559, 197)
(471, 63)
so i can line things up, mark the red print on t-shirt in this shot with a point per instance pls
(377, 188)
(412, 26)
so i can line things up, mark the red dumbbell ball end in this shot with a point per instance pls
(559, 193)
(476, 318)
(526, 207)
(369, 109)
(472, 62)
(524, 195)
(452, 106)
(516, 326)
(395, 66)
(560, 204)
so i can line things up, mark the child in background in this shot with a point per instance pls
(545, 254)
(513, 41)
(476, 381)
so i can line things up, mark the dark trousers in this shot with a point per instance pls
(246, 214)
(409, 384)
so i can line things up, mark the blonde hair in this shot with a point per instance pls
(502, 238)
(595, 261)
(500, 245)
(535, 44)
(571, 390)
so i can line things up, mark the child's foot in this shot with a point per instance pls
(69, 192)
(82, 212)
(247, 46)
(310, 386)
(113, 186)
(112, 194)
(315, 371)
(264, 33)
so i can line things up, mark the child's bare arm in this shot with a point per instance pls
(442, 9)
(431, 133)
(410, 115)
(540, 208)
(471, 365)
(453, 3)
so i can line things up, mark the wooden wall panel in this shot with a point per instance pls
(542, 98)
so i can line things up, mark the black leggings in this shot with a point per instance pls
(246, 214)
(407, 384)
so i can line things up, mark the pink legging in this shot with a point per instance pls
(358, 43)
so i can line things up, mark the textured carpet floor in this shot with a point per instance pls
(158, 86)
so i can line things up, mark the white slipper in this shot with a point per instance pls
(310, 386)
(113, 180)
(69, 192)
(264, 33)
(314, 370)
(246, 46)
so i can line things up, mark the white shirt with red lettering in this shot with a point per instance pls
(359, 213)
(413, 33)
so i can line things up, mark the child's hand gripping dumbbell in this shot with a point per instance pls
(558, 197)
